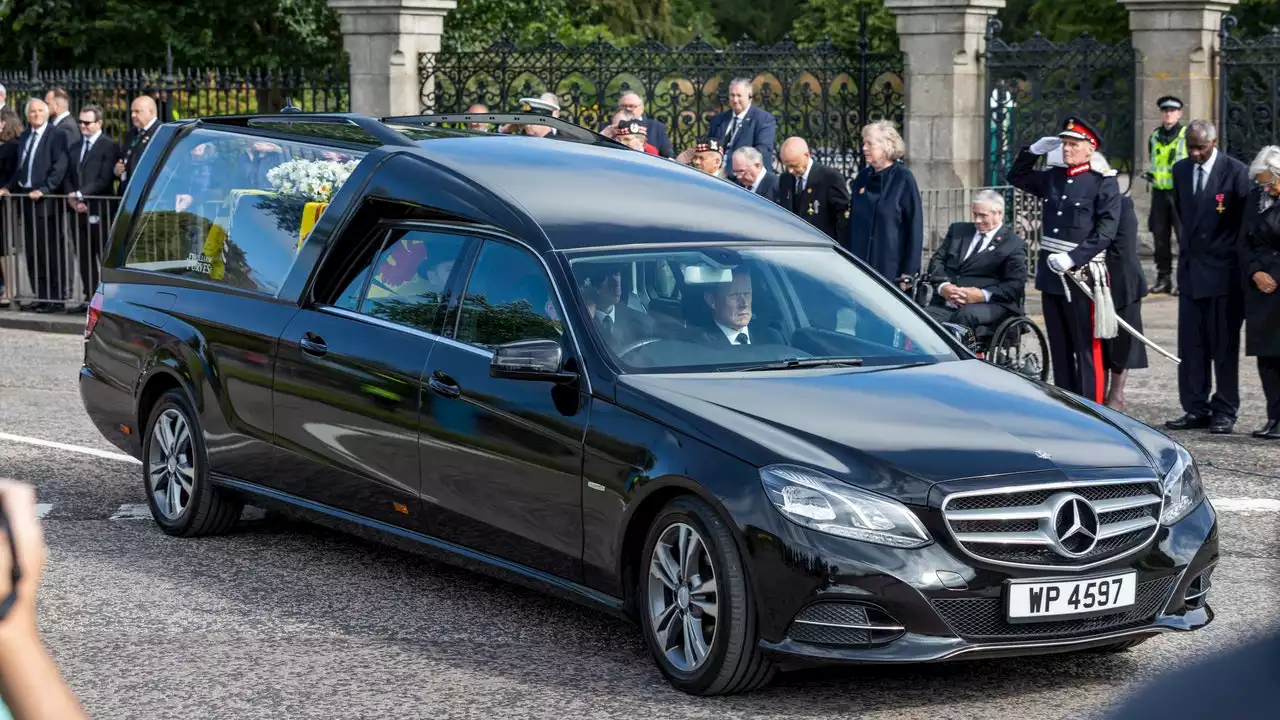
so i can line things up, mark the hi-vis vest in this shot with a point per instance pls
(1164, 155)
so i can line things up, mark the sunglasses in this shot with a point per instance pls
(88, 122)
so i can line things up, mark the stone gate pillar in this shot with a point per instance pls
(384, 39)
(946, 88)
(1175, 42)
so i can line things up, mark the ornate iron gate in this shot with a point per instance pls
(1248, 92)
(820, 93)
(1033, 86)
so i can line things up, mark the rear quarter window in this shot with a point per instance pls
(234, 209)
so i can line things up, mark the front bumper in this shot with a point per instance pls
(903, 611)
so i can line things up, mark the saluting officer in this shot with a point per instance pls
(1081, 217)
(1167, 145)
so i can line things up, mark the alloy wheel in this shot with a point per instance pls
(683, 600)
(172, 469)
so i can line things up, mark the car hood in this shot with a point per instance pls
(892, 430)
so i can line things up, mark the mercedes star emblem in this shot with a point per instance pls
(1075, 526)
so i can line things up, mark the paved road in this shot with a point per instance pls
(280, 620)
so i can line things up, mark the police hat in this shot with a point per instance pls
(709, 145)
(1169, 102)
(538, 106)
(630, 127)
(1080, 130)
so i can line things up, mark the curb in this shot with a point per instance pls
(64, 325)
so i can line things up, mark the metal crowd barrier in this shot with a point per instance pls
(51, 249)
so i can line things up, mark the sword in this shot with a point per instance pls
(1124, 325)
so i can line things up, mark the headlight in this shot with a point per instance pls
(820, 502)
(1183, 490)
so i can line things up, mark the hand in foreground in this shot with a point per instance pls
(1046, 145)
(1265, 282)
(29, 680)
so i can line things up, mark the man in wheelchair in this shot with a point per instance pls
(979, 272)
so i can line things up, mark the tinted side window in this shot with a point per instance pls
(508, 298)
(411, 275)
(234, 208)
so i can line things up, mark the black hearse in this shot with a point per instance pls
(621, 380)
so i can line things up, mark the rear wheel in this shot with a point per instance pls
(175, 472)
(696, 607)
(1019, 345)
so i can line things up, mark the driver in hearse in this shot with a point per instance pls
(730, 324)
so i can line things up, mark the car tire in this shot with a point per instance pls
(1123, 646)
(732, 661)
(174, 458)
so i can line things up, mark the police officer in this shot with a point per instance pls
(1081, 217)
(1167, 145)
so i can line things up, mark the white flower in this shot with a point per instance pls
(315, 180)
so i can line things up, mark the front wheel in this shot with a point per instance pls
(696, 606)
(175, 471)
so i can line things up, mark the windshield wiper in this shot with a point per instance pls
(790, 363)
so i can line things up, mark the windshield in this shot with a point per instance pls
(700, 309)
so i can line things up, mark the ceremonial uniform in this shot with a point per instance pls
(1081, 217)
(1165, 147)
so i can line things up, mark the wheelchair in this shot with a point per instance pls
(1016, 343)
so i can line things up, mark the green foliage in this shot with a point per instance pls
(838, 20)
(475, 24)
(300, 34)
(1256, 17)
(764, 21)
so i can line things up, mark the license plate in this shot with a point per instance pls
(1031, 601)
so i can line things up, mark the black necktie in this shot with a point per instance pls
(84, 151)
(1199, 187)
(742, 339)
(606, 327)
(733, 130)
(976, 245)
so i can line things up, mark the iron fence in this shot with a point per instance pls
(1248, 91)
(1033, 86)
(51, 248)
(184, 92)
(820, 93)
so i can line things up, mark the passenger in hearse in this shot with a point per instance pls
(728, 295)
(618, 324)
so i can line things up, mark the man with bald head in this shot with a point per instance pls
(810, 189)
(41, 171)
(145, 117)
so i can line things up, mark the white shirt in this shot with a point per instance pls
(32, 146)
(739, 118)
(148, 127)
(759, 179)
(88, 143)
(733, 334)
(1208, 169)
(803, 181)
(986, 242)
(58, 120)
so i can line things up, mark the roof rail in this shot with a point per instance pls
(564, 129)
(379, 131)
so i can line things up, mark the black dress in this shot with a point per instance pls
(1128, 287)
(9, 152)
(1261, 253)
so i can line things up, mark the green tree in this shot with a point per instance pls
(301, 34)
(838, 20)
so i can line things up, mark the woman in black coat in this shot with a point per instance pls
(1128, 286)
(1260, 258)
(10, 128)
(886, 217)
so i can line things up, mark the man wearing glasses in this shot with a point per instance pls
(632, 104)
(90, 182)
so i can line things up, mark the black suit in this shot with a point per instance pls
(69, 127)
(999, 267)
(768, 188)
(93, 177)
(48, 169)
(823, 201)
(1210, 286)
(713, 336)
(624, 327)
(759, 129)
(135, 142)
(1128, 287)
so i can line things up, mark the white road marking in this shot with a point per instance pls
(132, 512)
(1245, 504)
(70, 448)
(42, 510)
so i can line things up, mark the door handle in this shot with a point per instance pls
(444, 386)
(313, 345)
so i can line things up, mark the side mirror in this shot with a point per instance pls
(961, 333)
(530, 360)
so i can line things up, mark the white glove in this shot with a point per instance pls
(1060, 262)
(1045, 144)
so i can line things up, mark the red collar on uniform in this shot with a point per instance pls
(1082, 168)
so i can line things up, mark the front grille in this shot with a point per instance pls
(1025, 526)
(842, 623)
(984, 618)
